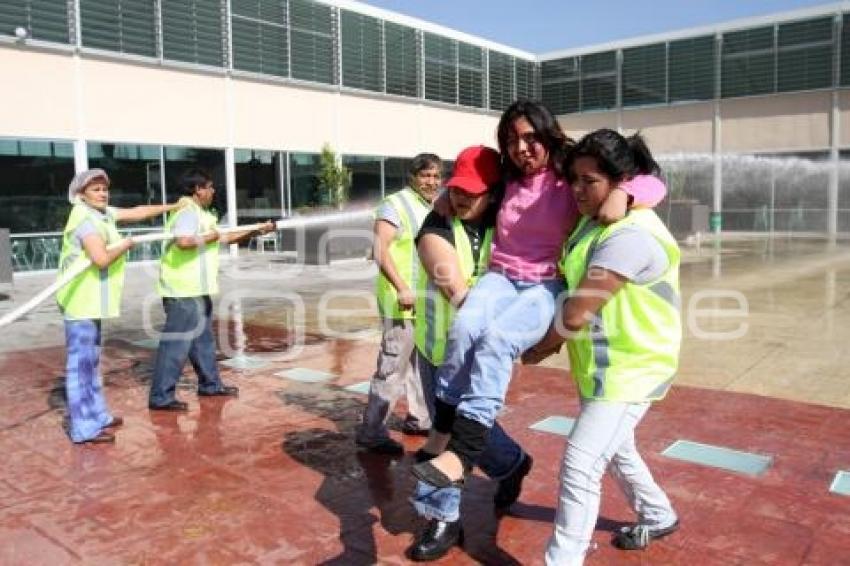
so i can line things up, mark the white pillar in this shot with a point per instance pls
(716, 146)
(230, 183)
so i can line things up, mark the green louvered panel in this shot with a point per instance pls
(259, 36)
(46, 20)
(526, 79)
(749, 62)
(193, 31)
(470, 75)
(560, 85)
(691, 69)
(501, 70)
(644, 73)
(362, 62)
(440, 68)
(312, 41)
(804, 55)
(402, 55)
(125, 26)
(599, 81)
(845, 50)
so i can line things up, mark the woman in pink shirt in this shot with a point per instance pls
(511, 307)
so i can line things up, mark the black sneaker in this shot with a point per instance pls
(511, 486)
(436, 540)
(638, 537)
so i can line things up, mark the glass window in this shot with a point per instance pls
(845, 50)
(365, 178)
(599, 81)
(46, 20)
(804, 55)
(644, 75)
(691, 69)
(402, 55)
(260, 36)
(312, 38)
(34, 177)
(259, 190)
(440, 68)
(470, 75)
(396, 173)
(134, 171)
(560, 85)
(749, 63)
(180, 159)
(193, 31)
(304, 180)
(501, 80)
(526, 79)
(362, 60)
(126, 26)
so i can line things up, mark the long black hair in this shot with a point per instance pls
(546, 128)
(617, 156)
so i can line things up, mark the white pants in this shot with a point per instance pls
(603, 434)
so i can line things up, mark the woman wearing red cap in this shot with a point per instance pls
(93, 295)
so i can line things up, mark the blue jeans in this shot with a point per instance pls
(187, 334)
(502, 456)
(87, 411)
(499, 320)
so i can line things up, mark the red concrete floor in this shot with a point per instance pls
(273, 477)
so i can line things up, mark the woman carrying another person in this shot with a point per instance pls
(512, 306)
(623, 332)
(455, 253)
(92, 296)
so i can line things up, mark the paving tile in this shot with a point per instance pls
(361, 387)
(841, 483)
(146, 343)
(555, 425)
(245, 362)
(306, 375)
(719, 457)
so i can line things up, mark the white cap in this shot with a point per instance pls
(83, 178)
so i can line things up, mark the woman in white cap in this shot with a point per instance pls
(93, 295)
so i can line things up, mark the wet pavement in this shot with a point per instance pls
(273, 477)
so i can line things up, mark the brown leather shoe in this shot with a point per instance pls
(102, 438)
(116, 422)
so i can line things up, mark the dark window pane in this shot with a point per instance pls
(258, 185)
(304, 180)
(402, 55)
(644, 75)
(180, 159)
(804, 57)
(470, 75)
(501, 80)
(46, 20)
(134, 171)
(259, 36)
(193, 31)
(560, 85)
(598, 81)
(312, 37)
(440, 68)
(691, 69)
(845, 50)
(126, 26)
(749, 63)
(362, 65)
(365, 178)
(526, 79)
(396, 173)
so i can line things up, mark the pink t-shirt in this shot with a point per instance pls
(536, 216)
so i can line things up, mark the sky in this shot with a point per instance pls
(541, 26)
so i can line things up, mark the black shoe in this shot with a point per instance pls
(225, 391)
(172, 406)
(511, 486)
(385, 446)
(436, 540)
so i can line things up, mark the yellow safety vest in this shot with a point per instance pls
(434, 313)
(95, 293)
(192, 272)
(412, 210)
(629, 352)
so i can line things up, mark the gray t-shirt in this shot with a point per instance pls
(388, 213)
(87, 226)
(187, 223)
(633, 253)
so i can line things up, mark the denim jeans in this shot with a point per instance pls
(86, 405)
(499, 320)
(499, 460)
(603, 438)
(501, 457)
(187, 334)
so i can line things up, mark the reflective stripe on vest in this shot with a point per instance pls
(190, 272)
(412, 210)
(95, 293)
(629, 350)
(434, 313)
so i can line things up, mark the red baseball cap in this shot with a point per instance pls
(476, 168)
